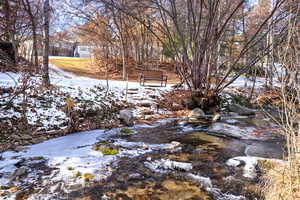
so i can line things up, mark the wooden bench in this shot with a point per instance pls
(153, 76)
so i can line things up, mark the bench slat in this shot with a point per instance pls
(153, 76)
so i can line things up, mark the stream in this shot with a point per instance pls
(169, 160)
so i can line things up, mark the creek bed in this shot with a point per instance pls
(168, 160)
(166, 174)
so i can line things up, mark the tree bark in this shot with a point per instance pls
(28, 9)
(46, 79)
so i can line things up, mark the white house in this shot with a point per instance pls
(56, 48)
(83, 51)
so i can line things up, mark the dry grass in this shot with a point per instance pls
(85, 67)
(282, 183)
(80, 66)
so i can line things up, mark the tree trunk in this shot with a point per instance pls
(27, 7)
(46, 79)
(124, 60)
(7, 17)
(34, 46)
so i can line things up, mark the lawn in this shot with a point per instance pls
(84, 67)
(81, 66)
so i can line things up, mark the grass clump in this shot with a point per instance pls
(76, 174)
(105, 148)
(126, 131)
(87, 177)
(107, 151)
(70, 168)
(281, 183)
(266, 165)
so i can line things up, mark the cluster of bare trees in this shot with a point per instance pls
(22, 20)
(206, 39)
(115, 33)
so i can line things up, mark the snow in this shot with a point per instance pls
(45, 112)
(9, 79)
(243, 81)
(164, 165)
(74, 153)
(249, 164)
(205, 182)
(207, 185)
(62, 78)
(233, 131)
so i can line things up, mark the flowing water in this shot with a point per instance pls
(173, 159)
(197, 165)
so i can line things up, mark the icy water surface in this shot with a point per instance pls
(169, 160)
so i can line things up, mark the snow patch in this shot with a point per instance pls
(164, 165)
(249, 164)
(233, 131)
(205, 182)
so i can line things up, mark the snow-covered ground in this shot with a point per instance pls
(44, 108)
(244, 82)
(70, 162)
(71, 158)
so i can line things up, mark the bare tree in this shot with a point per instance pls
(28, 8)
(45, 72)
(193, 30)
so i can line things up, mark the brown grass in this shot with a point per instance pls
(85, 67)
(80, 66)
(282, 183)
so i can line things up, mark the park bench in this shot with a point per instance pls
(153, 76)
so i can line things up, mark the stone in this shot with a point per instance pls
(20, 194)
(196, 113)
(136, 177)
(126, 117)
(26, 137)
(176, 107)
(38, 158)
(233, 131)
(20, 172)
(17, 174)
(15, 137)
(241, 110)
(146, 112)
(216, 117)
(173, 145)
(39, 139)
(56, 188)
(145, 104)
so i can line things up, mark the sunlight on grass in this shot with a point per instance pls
(76, 65)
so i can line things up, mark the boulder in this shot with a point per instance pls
(196, 113)
(241, 110)
(17, 174)
(216, 117)
(126, 117)
(176, 107)
(20, 172)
